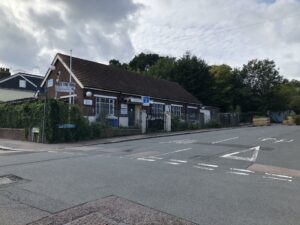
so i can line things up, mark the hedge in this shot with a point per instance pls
(29, 115)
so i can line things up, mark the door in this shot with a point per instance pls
(131, 115)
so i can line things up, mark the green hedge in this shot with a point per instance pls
(30, 115)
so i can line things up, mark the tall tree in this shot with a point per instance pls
(193, 74)
(163, 68)
(143, 62)
(263, 79)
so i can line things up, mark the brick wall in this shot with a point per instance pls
(15, 134)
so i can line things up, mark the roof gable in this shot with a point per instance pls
(12, 82)
(100, 76)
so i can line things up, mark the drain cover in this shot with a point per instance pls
(9, 179)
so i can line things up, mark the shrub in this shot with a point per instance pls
(297, 119)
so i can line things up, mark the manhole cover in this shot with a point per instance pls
(9, 179)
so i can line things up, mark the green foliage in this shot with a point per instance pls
(143, 61)
(294, 103)
(297, 119)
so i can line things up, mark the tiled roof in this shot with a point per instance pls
(100, 76)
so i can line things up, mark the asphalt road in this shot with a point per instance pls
(231, 177)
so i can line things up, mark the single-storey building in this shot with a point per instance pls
(106, 91)
(19, 86)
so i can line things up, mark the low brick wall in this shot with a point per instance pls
(15, 134)
(120, 132)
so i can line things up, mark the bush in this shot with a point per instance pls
(297, 119)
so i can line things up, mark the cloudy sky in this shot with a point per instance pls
(231, 31)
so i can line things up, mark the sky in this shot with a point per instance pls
(218, 31)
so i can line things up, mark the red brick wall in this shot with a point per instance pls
(14, 134)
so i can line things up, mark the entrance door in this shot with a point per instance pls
(131, 115)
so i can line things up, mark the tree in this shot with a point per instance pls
(261, 76)
(143, 62)
(263, 80)
(224, 86)
(163, 68)
(193, 74)
(115, 62)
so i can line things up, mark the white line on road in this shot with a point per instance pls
(229, 139)
(145, 159)
(276, 178)
(241, 170)
(238, 173)
(278, 175)
(153, 157)
(250, 159)
(180, 150)
(173, 163)
(209, 165)
(204, 168)
(178, 161)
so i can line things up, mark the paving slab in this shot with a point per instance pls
(111, 210)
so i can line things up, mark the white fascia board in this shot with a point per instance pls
(105, 96)
(192, 107)
(159, 103)
(9, 78)
(28, 81)
(49, 70)
(66, 67)
(68, 96)
(176, 105)
(70, 72)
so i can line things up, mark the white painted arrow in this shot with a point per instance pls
(250, 159)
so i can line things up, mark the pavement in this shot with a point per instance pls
(243, 176)
(16, 145)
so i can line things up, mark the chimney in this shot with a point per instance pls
(4, 73)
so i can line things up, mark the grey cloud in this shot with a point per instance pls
(98, 30)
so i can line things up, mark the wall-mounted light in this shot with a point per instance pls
(89, 94)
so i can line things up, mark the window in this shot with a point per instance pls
(105, 106)
(22, 83)
(176, 111)
(157, 111)
(192, 114)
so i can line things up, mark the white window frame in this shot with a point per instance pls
(110, 101)
(22, 83)
(157, 110)
(176, 111)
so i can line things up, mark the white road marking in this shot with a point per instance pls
(145, 159)
(153, 157)
(241, 170)
(229, 139)
(278, 175)
(180, 150)
(250, 159)
(184, 141)
(173, 163)
(276, 140)
(178, 161)
(204, 168)
(276, 178)
(209, 165)
(238, 173)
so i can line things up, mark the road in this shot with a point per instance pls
(229, 177)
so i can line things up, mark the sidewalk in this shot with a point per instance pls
(14, 145)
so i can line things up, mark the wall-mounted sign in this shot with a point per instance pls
(65, 87)
(124, 109)
(87, 101)
(50, 83)
(145, 100)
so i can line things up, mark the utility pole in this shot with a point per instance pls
(70, 80)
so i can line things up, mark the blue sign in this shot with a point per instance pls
(66, 126)
(146, 100)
